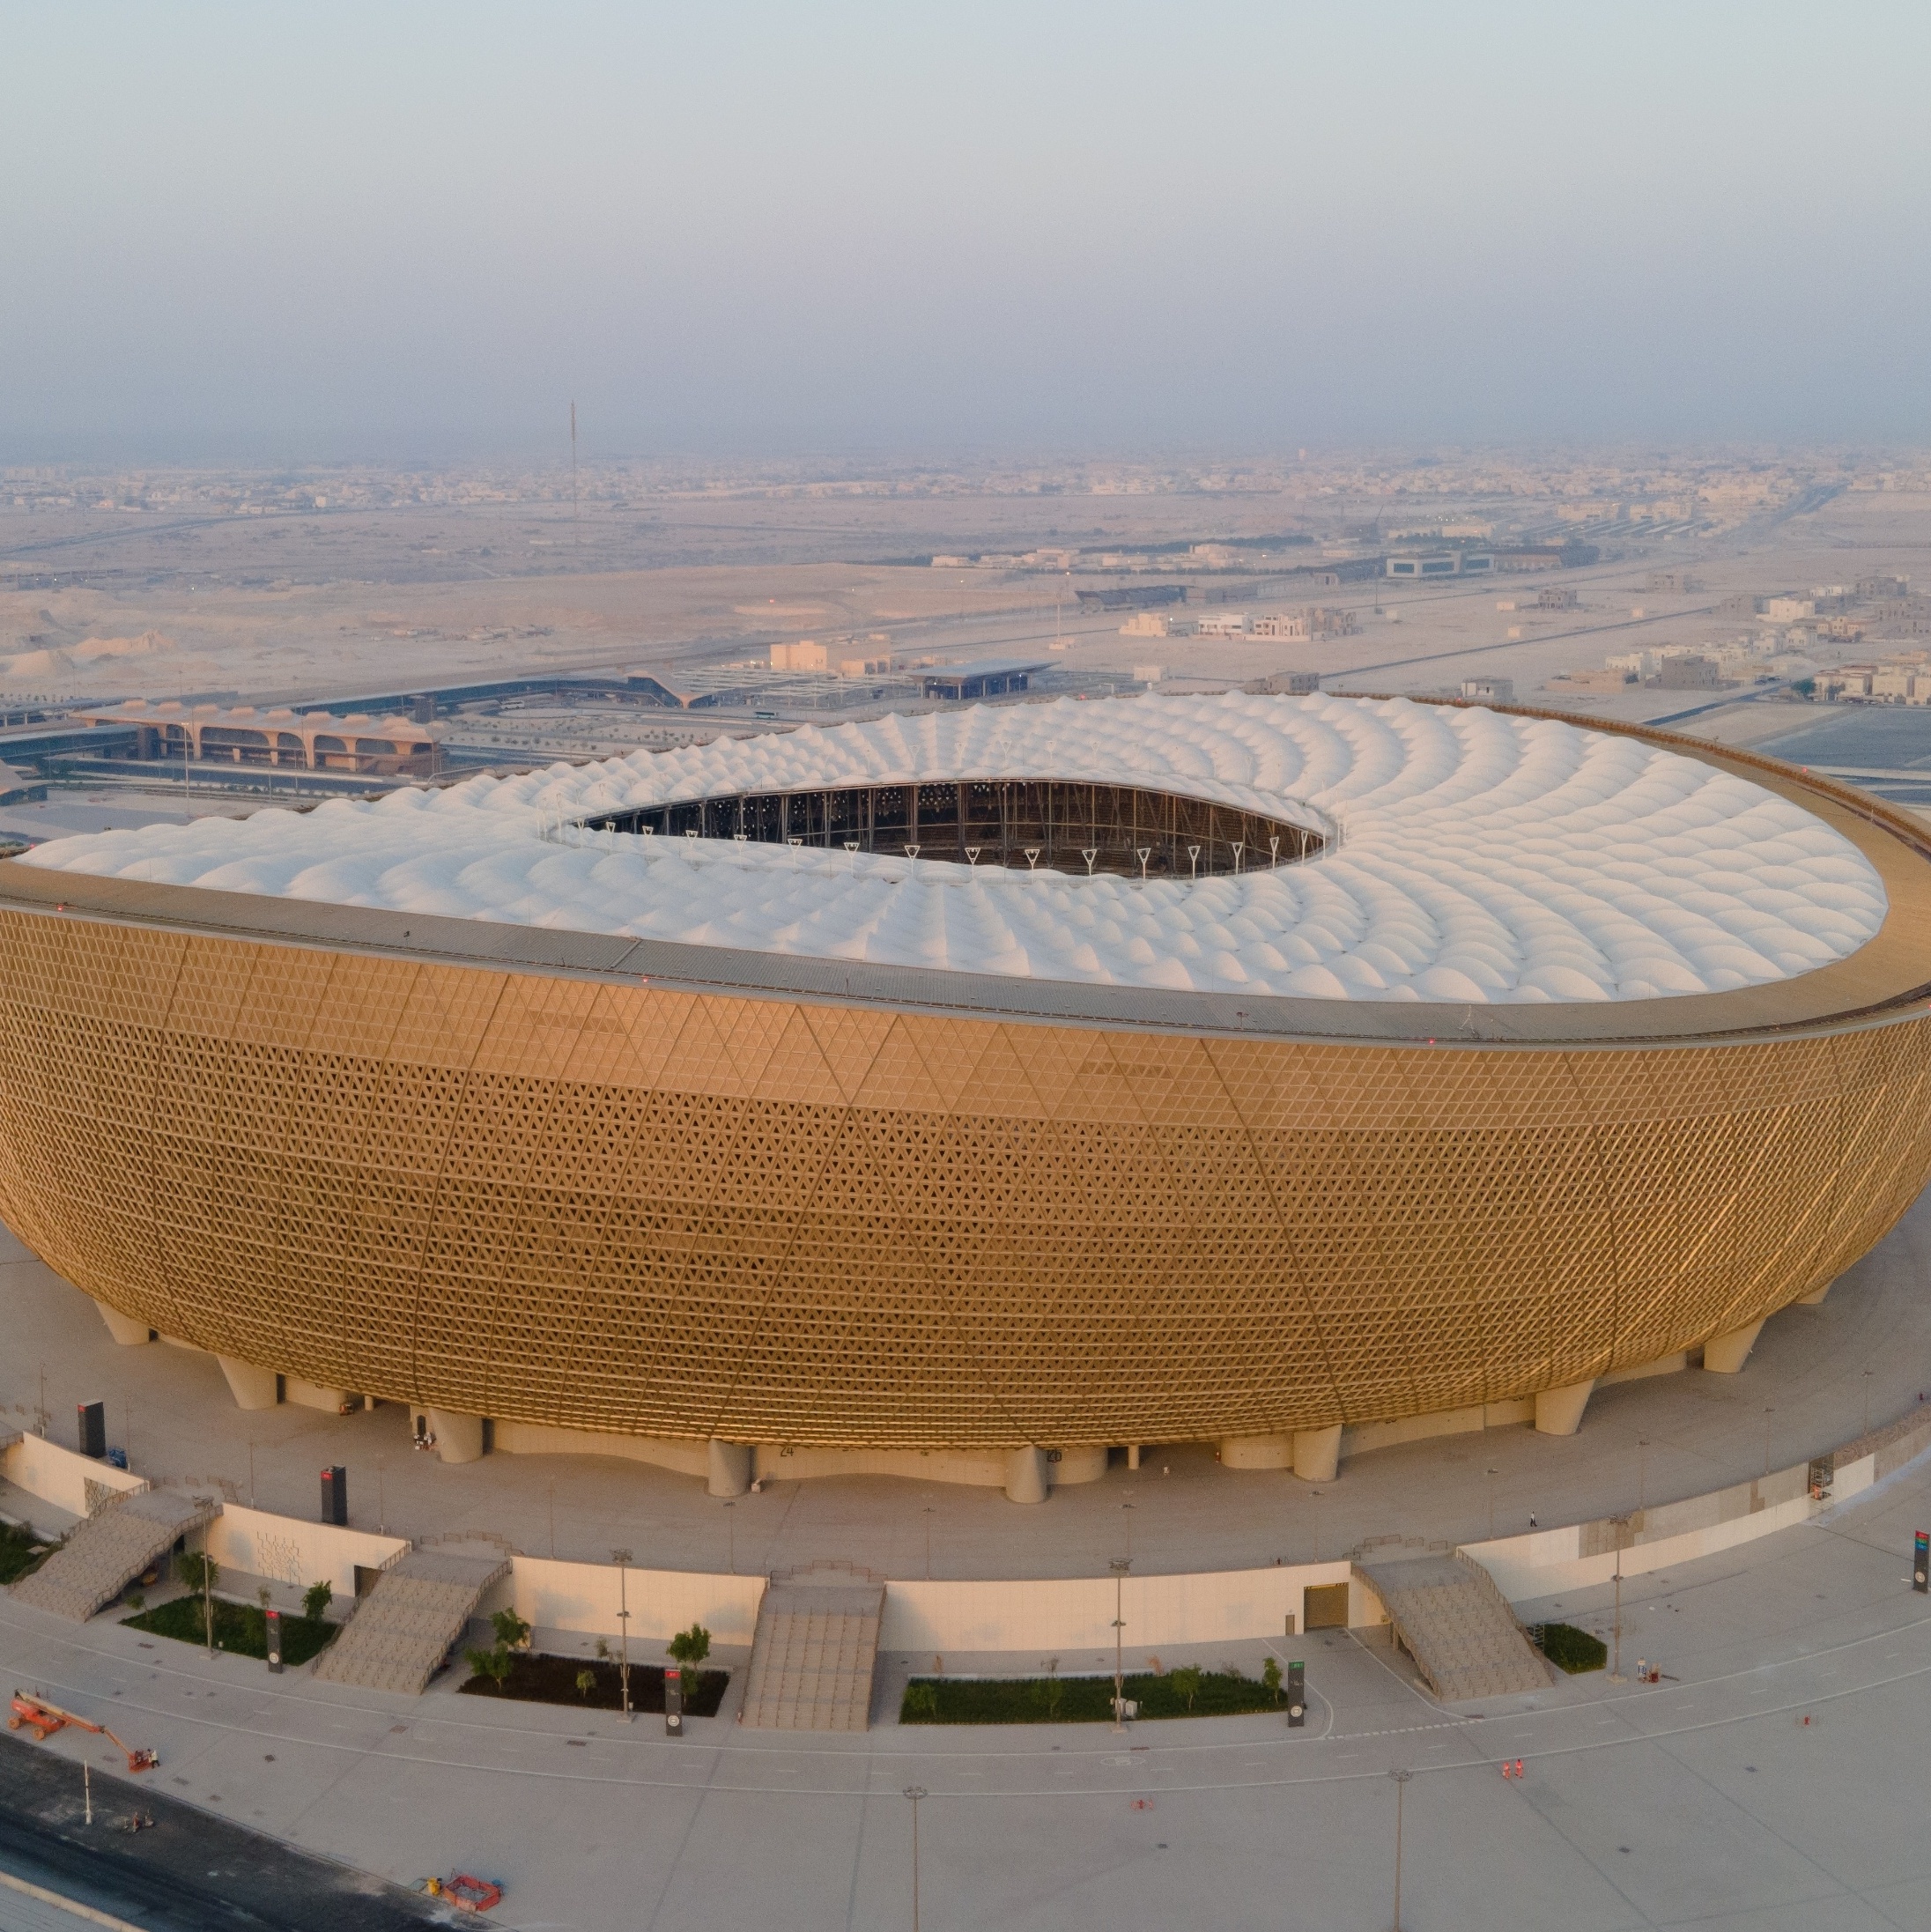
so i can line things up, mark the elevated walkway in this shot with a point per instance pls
(106, 1550)
(817, 1640)
(410, 1621)
(1455, 1624)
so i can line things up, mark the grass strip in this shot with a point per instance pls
(1082, 1700)
(238, 1627)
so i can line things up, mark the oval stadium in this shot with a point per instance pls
(967, 1092)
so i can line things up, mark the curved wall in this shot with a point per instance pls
(555, 1198)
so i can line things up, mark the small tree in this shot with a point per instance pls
(1185, 1681)
(1270, 1676)
(586, 1681)
(689, 1648)
(493, 1664)
(199, 1571)
(316, 1599)
(512, 1633)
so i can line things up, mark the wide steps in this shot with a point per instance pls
(125, 1537)
(410, 1621)
(815, 1646)
(1455, 1624)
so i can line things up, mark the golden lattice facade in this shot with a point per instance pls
(568, 1194)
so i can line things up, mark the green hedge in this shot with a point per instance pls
(1077, 1700)
(1569, 1648)
(238, 1627)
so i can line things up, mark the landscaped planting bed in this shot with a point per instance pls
(238, 1627)
(1082, 1700)
(1568, 1648)
(20, 1552)
(539, 1677)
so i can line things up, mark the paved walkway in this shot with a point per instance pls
(1815, 1376)
(1769, 1784)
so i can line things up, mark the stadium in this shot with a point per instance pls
(974, 1093)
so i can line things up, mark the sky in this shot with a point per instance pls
(307, 232)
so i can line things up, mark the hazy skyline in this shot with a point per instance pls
(360, 232)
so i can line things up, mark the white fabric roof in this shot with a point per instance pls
(1481, 857)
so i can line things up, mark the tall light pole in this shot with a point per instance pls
(1121, 1566)
(1620, 1524)
(1400, 1780)
(621, 1558)
(930, 1512)
(915, 1792)
(1491, 1506)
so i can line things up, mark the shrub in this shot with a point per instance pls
(493, 1663)
(920, 1705)
(689, 1648)
(586, 1682)
(512, 1633)
(316, 1600)
(1270, 1678)
(1186, 1680)
(1570, 1649)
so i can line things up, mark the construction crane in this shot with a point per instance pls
(44, 1719)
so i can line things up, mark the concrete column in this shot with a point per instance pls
(1133, 1455)
(123, 1327)
(459, 1438)
(729, 1471)
(1025, 1476)
(1270, 1452)
(253, 1387)
(1725, 1354)
(1558, 1411)
(1086, 1464)
(1317, 1453)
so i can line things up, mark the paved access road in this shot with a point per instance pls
(1773, 1787)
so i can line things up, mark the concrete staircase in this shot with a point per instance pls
(105, 1552)
(812, 1657)
(410, 1621)
(1455, 1624)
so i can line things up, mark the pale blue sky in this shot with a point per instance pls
(307, 232)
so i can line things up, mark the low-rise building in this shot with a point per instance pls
(1289, 626)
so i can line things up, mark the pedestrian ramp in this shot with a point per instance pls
(1455, 1624)
(812, 1657)
(405, 1627)
(128, 1534)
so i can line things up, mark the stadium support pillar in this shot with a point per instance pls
(1725, 1354)
(1026, 1476)
(1133, 1455)
(1815, 1298)
(459, 1438)
(1317, 1453)
(728, 1468)
(253, 1387)
(123, 1327)
(1558, 1411)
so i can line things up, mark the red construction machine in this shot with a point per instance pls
(44, 1719)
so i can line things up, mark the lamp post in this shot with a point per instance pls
(207, 1580)
(621, 1558)
(1119, 1566)
(730, 1532)
(915, 1792)
(1126, 1511)
(1620, 1525)
(1642, 1471)
(930, 1512)
(1400, 1780)
(381, 1505)
(1491, 1506)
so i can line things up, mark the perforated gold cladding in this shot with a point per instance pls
(617, 1207)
